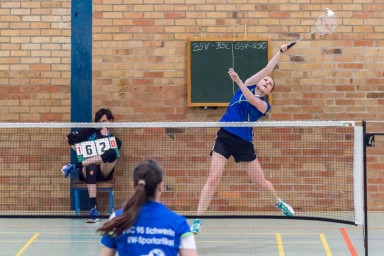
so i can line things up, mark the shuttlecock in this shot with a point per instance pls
(330, 13)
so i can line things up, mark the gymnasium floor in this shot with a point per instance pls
(241, 237)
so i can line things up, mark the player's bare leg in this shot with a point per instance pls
(215, 173)
(256, 174)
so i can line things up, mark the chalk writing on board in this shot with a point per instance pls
(205, 46)
(208, 60)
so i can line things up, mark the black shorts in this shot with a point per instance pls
(228, 144)
(99, 175)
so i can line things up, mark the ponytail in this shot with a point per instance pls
(146, 176)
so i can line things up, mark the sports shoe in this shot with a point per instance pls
(67, 169)
(94, 213)
(195, 226)
(285, 208)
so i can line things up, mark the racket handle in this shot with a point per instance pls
(290, 45)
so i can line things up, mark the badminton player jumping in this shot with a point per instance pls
(247, 105)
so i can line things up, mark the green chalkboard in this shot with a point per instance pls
(209, 60)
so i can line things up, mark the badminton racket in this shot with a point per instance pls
(324, 25)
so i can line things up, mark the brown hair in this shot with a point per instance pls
(104, 111)
(147, 175)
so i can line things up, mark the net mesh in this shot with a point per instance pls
(310, 166)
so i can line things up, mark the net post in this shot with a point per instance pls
(358, 174)
(365, 191)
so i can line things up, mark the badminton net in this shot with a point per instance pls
(315, 166)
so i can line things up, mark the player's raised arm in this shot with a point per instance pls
(251, 98)
(267, 69)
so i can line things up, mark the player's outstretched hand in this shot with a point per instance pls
(234, 76)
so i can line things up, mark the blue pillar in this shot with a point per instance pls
(81, 67)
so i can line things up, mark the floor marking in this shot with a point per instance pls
(27, 244)
(348, 242)
(54, 233)
(54, 241)
(258, 233)
(325, 244)
(280, 244)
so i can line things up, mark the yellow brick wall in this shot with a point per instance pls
(35, 60)
(139, 61)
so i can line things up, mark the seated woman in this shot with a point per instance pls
(98, 167)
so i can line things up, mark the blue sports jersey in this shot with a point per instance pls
(157, 231)
(240, 110)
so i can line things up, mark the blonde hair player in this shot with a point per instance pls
(247, 105)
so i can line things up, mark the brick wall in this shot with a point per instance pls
(35, 60)
(139, 61)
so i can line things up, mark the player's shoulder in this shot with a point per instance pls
(116, 213)
(173, 215)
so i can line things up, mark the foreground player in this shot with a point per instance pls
(247, 105)
(95, 168)
(144, 226)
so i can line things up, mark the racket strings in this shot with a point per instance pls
(325, 24)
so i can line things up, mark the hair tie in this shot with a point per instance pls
(141, 182)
